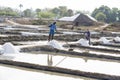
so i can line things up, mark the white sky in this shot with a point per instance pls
(87, 5)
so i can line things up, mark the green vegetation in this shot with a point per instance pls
(39, 22)
(106, 14)
(46, 14)
(103, 13)
(7, 11)
(100, 17)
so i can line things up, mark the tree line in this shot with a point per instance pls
(103, 13)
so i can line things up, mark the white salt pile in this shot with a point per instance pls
(83, 42)
(55, 44)
(9, 48)
(104, 40)
(117, 39)
(1, 50)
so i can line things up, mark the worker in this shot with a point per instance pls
(52, 31)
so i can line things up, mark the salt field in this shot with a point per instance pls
(108, 67)
(31, 46)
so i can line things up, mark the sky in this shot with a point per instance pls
(81, 5)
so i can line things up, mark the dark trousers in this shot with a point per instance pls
(50, 37)
(88, 38)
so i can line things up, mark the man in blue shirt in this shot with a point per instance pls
(52, 31)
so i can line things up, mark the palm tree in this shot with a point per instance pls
(20, 9)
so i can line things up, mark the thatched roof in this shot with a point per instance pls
(73, 18)
(79, 19)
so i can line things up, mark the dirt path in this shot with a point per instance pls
(101, 27)
(13, 23)
(17, 24)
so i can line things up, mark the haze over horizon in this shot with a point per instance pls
(81, 5)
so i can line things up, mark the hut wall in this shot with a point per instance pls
(83, 20)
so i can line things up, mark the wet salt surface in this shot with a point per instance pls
(39, 43)
(33, 43)
(27, 74)
(104, 53)
(99, 46)
(115, 32)
(83, 64)
(96, 52)
(106, 47)
(71, 33)
(93, 32)
(32, 34)
(2, 35)
(28, 27)
(75, 63)
(35, 34)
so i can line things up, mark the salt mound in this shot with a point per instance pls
(55, 44)
(9, 48)
(104, 40)
(1, 50)
(83, 42)
(117, 39)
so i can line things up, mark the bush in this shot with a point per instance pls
(115, 24)
(39, 22)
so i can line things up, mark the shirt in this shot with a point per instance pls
(52, 27)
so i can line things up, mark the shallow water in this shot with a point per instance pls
(106, 47)
(30, 74)
(75, 63)
(96, 52)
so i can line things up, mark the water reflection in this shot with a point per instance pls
(76, 63)
(85, 59)
(49, 60)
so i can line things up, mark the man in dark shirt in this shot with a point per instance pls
(88, 36)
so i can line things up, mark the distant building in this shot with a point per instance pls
(79, 19)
